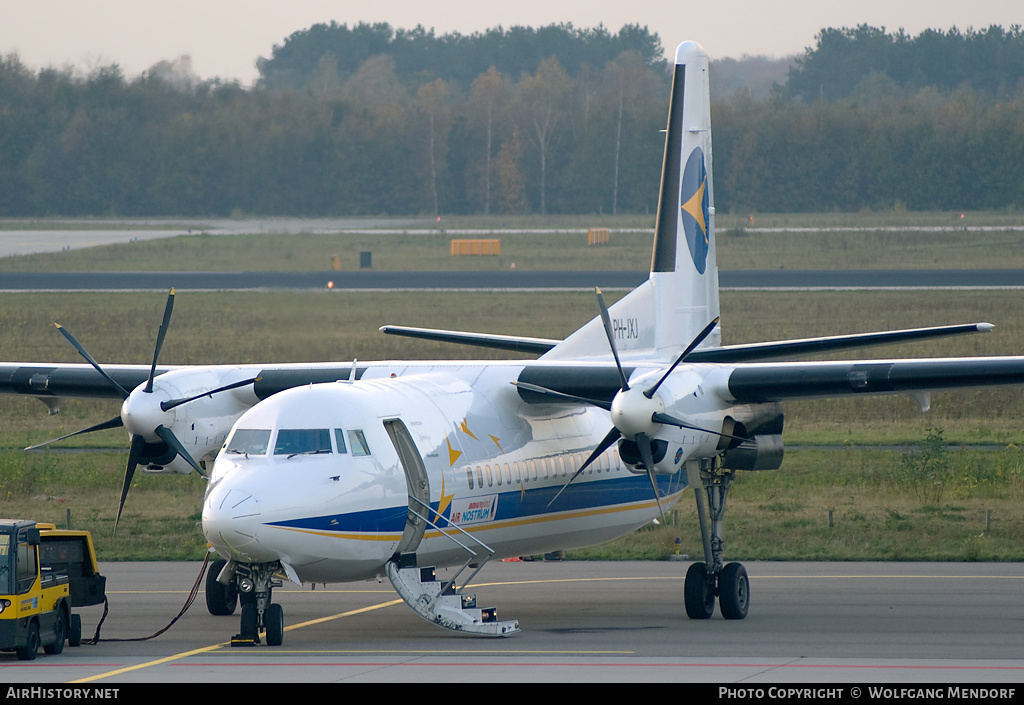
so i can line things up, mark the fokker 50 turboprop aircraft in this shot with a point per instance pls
(343, 472)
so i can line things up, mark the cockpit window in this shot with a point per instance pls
(250, 441)
(357, 440)
(297, 441)
(339, 439)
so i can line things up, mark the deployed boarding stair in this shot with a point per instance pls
(443, 603)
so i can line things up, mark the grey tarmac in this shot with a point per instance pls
(581, 622)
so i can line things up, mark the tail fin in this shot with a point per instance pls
(661, 317)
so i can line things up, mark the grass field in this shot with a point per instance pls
(794, 242)
(885, 504)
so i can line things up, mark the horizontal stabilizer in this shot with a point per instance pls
(537, 346)
(752, 352)
(834, 343)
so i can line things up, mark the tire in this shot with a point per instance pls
(734, 591)
(75, 631)
(249, 628)
(220, 599)
(273, 620)
(31, 647)
(60, 633)
(698, 594)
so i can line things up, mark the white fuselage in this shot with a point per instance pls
(338, 508)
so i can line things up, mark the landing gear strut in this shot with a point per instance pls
(255, 583)
(710, 579)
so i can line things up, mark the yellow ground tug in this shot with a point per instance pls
(44, 573)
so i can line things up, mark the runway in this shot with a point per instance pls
(825, 623)
(521, 280)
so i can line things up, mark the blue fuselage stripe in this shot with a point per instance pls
(513, 503)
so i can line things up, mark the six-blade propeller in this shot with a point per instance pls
(636, 414)
(137, 426)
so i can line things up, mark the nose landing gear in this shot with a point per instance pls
(254, 583)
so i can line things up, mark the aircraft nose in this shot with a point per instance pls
(231, 522)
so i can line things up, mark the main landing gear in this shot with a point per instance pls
(251, 584)
(710, 579)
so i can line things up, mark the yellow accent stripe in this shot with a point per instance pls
(337, 535)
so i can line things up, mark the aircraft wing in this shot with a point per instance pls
(782, 381)
(77, 380)
(766, 382)
(82, 381)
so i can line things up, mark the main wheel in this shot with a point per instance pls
(220, 598)
(31, 647)
(698, 592)
(734, 591)
(273, 621)
(60, 633)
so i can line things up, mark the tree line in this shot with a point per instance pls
(372, 120)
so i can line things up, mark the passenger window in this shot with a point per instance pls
(339, 440)
(479, 476)
(249, 441)
(469, 476)
(357, 440)
(301, 441)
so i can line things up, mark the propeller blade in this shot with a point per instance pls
(611, 338)
(134, 454)
(160, 339)
(115, 422)
(562, 395)
(84, 353)
(168, 437)
(689, 349)
(644, 444)
(673, 421)
(605, 443)
(171, 403)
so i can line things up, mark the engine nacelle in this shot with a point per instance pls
(762, 426)
(630, 454)
(759, 453)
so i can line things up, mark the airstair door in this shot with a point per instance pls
(416, 482)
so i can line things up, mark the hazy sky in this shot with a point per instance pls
(225, 37)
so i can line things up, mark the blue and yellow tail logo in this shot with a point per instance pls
(694, 195)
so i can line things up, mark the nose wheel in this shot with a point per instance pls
(255, 583)
(710, 580)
